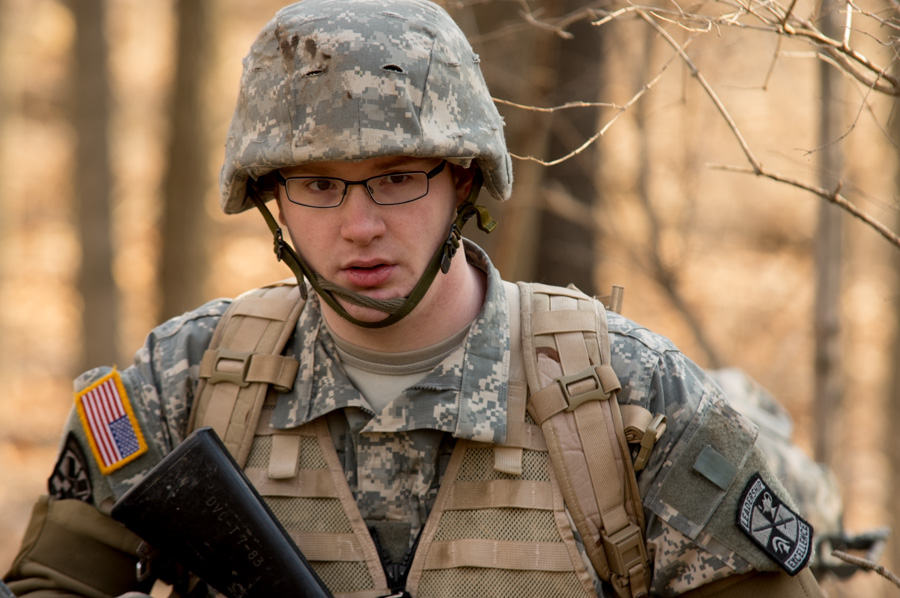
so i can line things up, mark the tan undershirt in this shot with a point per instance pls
(382, 377)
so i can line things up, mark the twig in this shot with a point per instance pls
(565, 106)
(707, 88)
(853, 62)
(868, 565)
(863, 105)
(833, 196)
(848, 26)
(838, 51)
(787, 14)
(775, 56)
(605, 128)
(846, 56)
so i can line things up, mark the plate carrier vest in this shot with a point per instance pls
(566, 455)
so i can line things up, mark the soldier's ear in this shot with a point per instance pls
(279, 198)
(462, 180)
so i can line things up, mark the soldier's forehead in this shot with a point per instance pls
(372, 164)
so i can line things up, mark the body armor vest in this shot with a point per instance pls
(504, 520)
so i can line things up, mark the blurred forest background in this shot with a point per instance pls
(706, 147)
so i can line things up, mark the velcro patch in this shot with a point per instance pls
(108, 419)
(70, 478)
(774, 527)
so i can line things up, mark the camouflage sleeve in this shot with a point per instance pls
(100, 460)
(713, 507)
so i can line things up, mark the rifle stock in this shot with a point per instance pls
(198, 506)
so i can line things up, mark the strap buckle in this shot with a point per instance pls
(566, 383)
(625, 550)
(238, 377)
(652, 434)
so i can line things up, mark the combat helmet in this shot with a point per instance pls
(358, 79)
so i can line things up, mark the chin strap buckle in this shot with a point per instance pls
(451, 245)
(279, 244)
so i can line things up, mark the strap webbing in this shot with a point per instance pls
(500, 554)
(567, 362)
(243, 359)
(508, 458)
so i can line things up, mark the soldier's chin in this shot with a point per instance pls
(363, 314)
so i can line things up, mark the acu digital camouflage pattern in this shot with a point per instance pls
(160, 384)
(357, 79)
(392, 459)
(812, 485)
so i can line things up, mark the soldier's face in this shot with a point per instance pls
(376, 250)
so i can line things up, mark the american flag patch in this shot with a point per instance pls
(109, 421)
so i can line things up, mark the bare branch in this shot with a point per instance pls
(847, 57)
(787, 15)
(530, 17)
(848, 26)
(863, 105)
(557, 26)
(775, 56)
(833, 196)
(783, 22)
(867, 565)
(565, 106)
(620, 110)
(707, 88)
(772, 18)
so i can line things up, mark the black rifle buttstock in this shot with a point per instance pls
(197, 506)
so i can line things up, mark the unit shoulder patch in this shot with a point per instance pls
(109, 423)
(70, 478)
(774, 527)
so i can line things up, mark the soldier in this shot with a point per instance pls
(418, 425)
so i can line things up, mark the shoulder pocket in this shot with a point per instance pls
(705, 464)
(702, 487)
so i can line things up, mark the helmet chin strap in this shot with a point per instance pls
(398, 308)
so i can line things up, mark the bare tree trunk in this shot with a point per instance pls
(665, 275)
(828, 386)
(531, 65)
(183, 256)
(93, 183)
(568, 246)
(517, 67)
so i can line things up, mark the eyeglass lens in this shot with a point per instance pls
(389, 189)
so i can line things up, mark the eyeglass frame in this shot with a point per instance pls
(282, 180)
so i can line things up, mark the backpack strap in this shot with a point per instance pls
(565, 346)
(243, 360)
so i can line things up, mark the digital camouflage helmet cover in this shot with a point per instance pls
(358, 79)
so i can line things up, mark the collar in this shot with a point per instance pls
(465, 395)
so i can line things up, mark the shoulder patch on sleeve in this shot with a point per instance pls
(70, 477)
(109, 423)
(773, 526)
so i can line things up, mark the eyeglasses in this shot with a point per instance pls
(385, 189)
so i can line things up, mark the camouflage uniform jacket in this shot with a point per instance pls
(392, 459)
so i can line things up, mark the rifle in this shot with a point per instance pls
(198, 506)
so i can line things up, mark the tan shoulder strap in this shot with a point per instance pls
(565, 345)
(242, 360)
